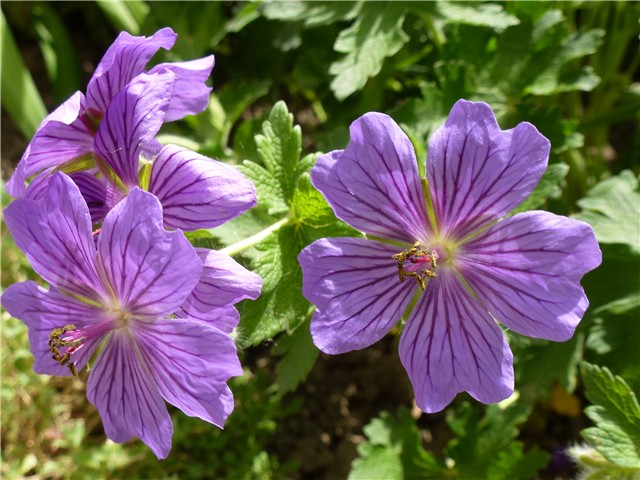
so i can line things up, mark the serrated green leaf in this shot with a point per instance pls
(279, 147)
(310, 206)
(281, 305)
(376, 34)
(268, 188)
(298, 354)
(616, 413)
(612, 208)
(394, 451)
(549, 187)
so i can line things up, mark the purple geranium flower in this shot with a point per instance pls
(195, 191)
(67, 134)
(456, 250)
(132, 296)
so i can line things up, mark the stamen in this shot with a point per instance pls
(418, 257)
(56, 341)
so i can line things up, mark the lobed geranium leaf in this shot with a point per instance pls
(393, 451)
(376, 34)
(616, 413)
(279, 147)
(281, 305)
(612, 208)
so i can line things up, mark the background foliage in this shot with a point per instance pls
(289, 79)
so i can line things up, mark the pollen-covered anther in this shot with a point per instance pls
(56, 341)
(418, 259)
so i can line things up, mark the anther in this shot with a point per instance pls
(56, 341)
(416, 256)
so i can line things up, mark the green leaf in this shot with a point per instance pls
(394, 451)
(480, 14)
(376, 34)
(313, 14)
(128, 16)
(279, 147)
(616, 413)
(281, 305)
(549, 187)
(612, 207)
(298, 354)
(57, 50)
(487, 444)
(19, 94)
(513, 464)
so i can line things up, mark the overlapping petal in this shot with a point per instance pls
(43, 311)
(133, 118)
(223, 283)
(355, 287)
(126, 58)
(99, 194)
(191, 94)
(196, 191)
(527, 268)
(373, 184)
(55, 235)
(125, 393)
(451, 344)
(191, 363)
(478, 173)
(151, 270)
(61, 137)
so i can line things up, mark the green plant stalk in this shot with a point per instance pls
(255, 239)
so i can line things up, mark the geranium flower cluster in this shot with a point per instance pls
(125, 285)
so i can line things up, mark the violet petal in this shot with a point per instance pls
(55, 235)
(196, 191)
(191, 94)
(373, 184)
(150, 270)
(223, 283)
(61, 137)
(127, 397)
(478, 173)
(527, 270)
(133, 118)
(124, 60)
(451, 344)
(354, 284)
(191, 363)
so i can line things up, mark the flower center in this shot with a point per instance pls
(68, 338)
(418, 263)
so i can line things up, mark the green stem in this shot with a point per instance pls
(255, 239)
